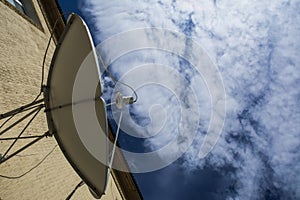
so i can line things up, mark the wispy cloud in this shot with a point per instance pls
(256, 47)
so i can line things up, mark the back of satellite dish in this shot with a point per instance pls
(74, 52)
(72, 96)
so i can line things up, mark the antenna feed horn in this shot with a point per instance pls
(123, 100)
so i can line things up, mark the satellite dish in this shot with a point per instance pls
(72, 97)
(74, 47)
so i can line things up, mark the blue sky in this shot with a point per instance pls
(255, 46)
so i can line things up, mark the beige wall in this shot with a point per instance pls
(22, 46)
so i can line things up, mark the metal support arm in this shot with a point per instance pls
(4, 159)
(20, 109)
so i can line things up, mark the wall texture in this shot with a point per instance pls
(22, 46)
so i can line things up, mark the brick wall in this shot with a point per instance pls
(22, 46)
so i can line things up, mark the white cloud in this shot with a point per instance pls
(256, 47)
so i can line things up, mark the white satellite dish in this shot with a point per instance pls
(74, 63)
(74, 46)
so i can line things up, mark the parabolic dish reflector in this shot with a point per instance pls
(74, 52)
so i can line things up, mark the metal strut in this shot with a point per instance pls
(47, 134)
(20, 138)
(37, 110)
(34, 112)
(21, 119)
(20, 109)
(115, 142)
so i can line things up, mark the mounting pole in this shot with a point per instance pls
(4, 159)
(20, 120)
(20, 109)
